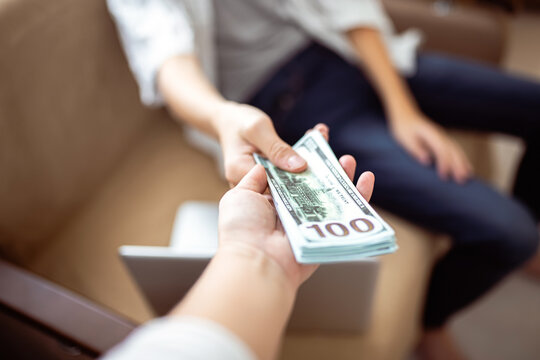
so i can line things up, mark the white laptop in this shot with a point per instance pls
(338, 297)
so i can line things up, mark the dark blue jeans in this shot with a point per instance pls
(492, 234)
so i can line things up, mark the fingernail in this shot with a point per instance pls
(296, 162)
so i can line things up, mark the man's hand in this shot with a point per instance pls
(243, 130)
(248, 221)
(427, 142)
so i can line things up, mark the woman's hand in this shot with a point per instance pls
(424, 140)
(243, 130)
(248, 222)
(427, 142)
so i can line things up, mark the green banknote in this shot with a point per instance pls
(325, 217)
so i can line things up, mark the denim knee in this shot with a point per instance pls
(512, 239)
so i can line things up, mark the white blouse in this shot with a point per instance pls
(240, 43)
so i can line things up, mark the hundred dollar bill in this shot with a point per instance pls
(322, 212)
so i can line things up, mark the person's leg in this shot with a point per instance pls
(468, 95)
(492, 234)
(463, 94)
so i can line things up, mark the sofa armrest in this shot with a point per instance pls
(472, 31)
(60, 311)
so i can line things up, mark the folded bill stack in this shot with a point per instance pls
(325, 217)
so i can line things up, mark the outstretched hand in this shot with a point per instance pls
(243, 130)
(248, 219)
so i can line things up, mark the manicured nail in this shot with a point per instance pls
(296, 162)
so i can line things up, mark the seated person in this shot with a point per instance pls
(240, 305)
(301, 62)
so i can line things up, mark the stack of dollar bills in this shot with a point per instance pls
(325, 217)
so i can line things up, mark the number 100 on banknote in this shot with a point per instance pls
(353, 229)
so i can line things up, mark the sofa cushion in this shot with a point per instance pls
(136, 206)
(69, 112)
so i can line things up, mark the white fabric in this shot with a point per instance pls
(328, 20)
(186, 338)
(154, 30)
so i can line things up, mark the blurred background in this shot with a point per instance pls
(85, 168)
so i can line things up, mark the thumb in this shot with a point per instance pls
(263, 135)
(255, 180)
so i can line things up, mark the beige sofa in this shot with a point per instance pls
(84, 168)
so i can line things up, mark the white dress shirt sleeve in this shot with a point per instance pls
(186, 338)
(151, 31)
